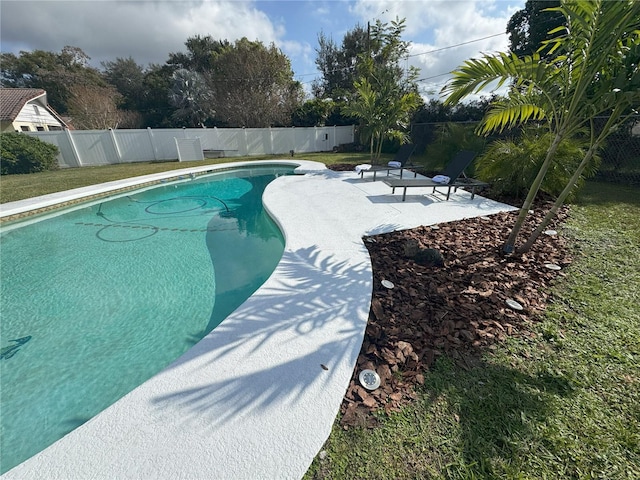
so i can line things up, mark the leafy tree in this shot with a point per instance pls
(338, 115)
(191, 97)
(22, 153)
(385, 97)
(253, 85)
(97, 108)
(201, 54)
(594, 71)
(451, 138)
(528, 28)
(155, 107)
(313, 113)
(128, 79)
(54, 72)
(338, 64)
(435, 111)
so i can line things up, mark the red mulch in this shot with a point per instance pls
(457, 309)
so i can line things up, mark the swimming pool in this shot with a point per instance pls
(97, 300)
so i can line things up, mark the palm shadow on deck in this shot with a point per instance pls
(302, 327)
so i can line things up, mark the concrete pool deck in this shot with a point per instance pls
(257, 397)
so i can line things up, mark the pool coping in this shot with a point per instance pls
(20, 209)
(257, 397)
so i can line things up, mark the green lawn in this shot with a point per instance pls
(563, 405)
(18, 187)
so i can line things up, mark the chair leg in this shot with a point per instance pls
(404, 194)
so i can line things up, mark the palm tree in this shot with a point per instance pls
(191, 97)
(385, 94)
(383, 111)
(592, 70)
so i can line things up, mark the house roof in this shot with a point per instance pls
(13, 99)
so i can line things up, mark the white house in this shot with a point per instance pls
(27, 110)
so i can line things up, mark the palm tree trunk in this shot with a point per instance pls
(371, 149)
(379, 150)
(560, 200)
(612, 122)
(509, 245)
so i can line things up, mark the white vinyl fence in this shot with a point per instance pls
(103, 147)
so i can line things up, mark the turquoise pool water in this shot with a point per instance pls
(97, 300)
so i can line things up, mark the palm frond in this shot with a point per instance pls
(476, 74)
(510, 113)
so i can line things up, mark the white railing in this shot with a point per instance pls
(103, 147)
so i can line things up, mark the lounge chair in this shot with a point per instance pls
(452, 177)
(398, 163)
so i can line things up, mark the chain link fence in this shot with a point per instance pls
(620, 155)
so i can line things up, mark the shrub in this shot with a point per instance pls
(452, 138)
(20, 153)
(511, 165)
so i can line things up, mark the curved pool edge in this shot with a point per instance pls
(297, 339)
(20, 208)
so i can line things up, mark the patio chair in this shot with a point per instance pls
(453, 176)
(398, 163)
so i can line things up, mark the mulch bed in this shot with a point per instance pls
(457, 308)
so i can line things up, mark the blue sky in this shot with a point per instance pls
(148, 30)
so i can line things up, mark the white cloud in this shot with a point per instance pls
(148, 31)
(302, 51)
(444, 34)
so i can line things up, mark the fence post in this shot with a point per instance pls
(74, 150)
(112, 134)
(218, 145)
(246, 142)
(315, 139)
(153, 144)
(270, 141)
(293, 140)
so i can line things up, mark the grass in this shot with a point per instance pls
(19, 187)
(565, 404)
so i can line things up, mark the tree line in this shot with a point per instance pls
(215, 82)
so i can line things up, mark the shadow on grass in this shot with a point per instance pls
(603, 193)
(480, 421)
(497, 410)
